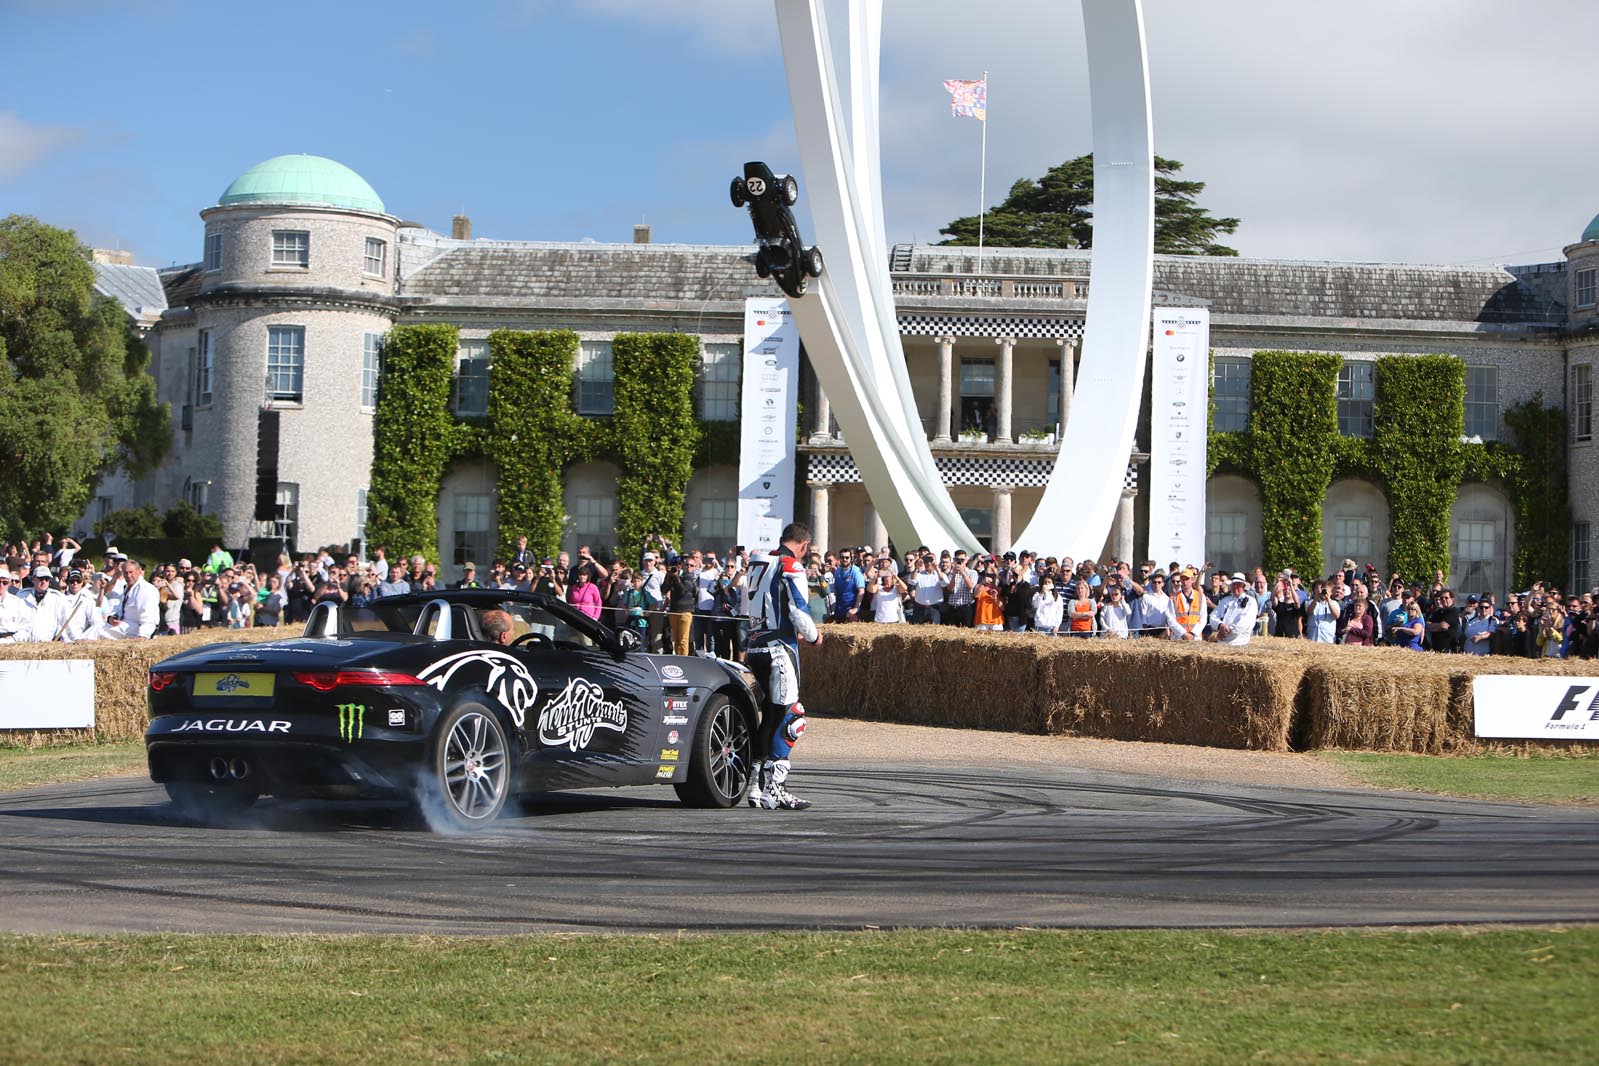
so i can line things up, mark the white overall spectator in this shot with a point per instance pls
(83, 611)
(141, 606)
(1234, 620)
(49, 617)
(15, 617)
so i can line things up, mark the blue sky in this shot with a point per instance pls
(1428, 131)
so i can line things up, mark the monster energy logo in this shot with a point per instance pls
(352, 721)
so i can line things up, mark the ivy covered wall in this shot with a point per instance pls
(532, 434)
(1294, 452)
(412, 439)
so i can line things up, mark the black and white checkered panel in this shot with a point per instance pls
(985, 471)
(990, 326)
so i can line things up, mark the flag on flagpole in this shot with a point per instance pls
(968, 99)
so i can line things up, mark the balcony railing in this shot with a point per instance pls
(992, 286)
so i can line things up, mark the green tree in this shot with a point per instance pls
(77, 402)
(1056, 211)
(183, 522)
(141, 521)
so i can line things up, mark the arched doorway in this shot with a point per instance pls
(1354, 525)
(1481, 529)
(468, 519)
(590, 501)
(1232, 525)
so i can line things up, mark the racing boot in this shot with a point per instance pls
(778, 798)
(759, 781)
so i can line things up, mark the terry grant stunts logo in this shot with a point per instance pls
(352, 721)
(572, 717)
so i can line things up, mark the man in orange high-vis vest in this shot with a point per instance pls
(1188, 604)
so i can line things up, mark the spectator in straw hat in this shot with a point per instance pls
(1234, 620)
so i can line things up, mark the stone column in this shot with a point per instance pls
(946, 389)
(876, 532)
(1068, 371)
(822, 422)
(1003, 390)
(1123, 539)
(1000, 542)
(821, 509)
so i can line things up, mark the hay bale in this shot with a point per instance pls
(1178, 693)
(1460, 733)
(121, 668)
(926, 675)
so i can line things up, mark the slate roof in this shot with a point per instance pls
(182, 283)
(439, 269)
(1293, 288)
(464, 271)
(138, 289)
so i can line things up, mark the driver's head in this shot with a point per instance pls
(497, 626)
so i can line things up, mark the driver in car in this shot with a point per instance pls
(497, 627)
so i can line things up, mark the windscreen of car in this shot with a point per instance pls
(530, 618)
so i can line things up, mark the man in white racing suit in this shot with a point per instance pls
(778, 599)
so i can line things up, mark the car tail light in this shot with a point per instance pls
(323, 680)
(160, 680)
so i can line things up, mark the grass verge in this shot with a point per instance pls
(32, 767)
(1533, 777)
(1491, 995)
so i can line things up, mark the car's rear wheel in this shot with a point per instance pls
(719, 760)
(813, 261)
(740, 194)
(468, 777)
(763, 267)
(790, 190)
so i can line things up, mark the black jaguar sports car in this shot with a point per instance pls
(405, 698)
(779, 252)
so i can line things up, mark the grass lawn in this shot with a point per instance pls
(30, 768)
(1483, 996)
(1531, 778)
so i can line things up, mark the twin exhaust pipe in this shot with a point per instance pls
(235, 768)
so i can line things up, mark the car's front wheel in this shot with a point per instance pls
(790, 190)
(739, 193)
(813, 261)
(468, 775)
(719, 761)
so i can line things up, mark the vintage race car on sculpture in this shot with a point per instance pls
(779, 252)
(407, 699)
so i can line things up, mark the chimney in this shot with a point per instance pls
(118, 257)
(461, 228)
(641, 233)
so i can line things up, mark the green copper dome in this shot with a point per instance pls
(302, 179)
(1592, 232)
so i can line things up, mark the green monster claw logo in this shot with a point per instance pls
(352, 721)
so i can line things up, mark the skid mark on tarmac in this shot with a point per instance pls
(884, 846)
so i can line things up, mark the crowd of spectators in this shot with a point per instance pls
(695, 599)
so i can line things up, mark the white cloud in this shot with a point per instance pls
(1441, 130)
(24, 145)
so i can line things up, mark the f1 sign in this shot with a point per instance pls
(1536, 708)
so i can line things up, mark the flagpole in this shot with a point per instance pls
(982, 178)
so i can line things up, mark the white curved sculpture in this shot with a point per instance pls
(1079, 503)
(850, 331)
(849, 326)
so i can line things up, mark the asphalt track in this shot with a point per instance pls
(885, 846)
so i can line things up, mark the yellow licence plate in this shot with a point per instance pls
(254, 686)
